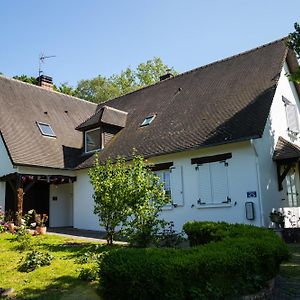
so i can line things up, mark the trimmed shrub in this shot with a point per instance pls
(200, 233)
(240, 264)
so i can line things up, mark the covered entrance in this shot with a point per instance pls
(46, 194)
(287, 157)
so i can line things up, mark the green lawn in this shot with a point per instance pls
(291, 269)
(57, 281)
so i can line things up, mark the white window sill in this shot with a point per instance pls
(167, 207)
(219, 205)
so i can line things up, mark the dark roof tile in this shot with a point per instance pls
(223, 102)
(22, 105)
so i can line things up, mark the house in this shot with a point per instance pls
(223, 137)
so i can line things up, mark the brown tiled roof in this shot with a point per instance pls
(285, 150)
(22, 105)
(223, 102)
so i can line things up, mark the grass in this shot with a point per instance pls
(291, 269)
(57, 281)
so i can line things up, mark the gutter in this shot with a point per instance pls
(258, 183)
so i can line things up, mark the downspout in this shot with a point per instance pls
(258, 183)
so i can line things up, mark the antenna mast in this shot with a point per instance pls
(42, 57)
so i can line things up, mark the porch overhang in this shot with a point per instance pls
(21, 183)
(286, 154)
(28, 178)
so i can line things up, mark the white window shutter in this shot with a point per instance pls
(219, 182)
(204, 184)
(292, 117)
(176, 181)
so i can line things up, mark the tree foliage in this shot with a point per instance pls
(28, 79)
(127, 194)
(64, 88)
(294, 44)
(102, 88)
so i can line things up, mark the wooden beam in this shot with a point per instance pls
(210, 159)
(20, 205)
(281, 177)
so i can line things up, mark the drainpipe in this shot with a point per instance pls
(258, 183)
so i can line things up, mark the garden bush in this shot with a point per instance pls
(239, 260)
(200, 233)
(34, 260)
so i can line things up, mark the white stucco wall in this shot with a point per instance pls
(84, 217)
(276, 126)
(242, 178)
(6, 167)
(61, 205)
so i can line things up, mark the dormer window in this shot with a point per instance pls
(148, 120)
(45, 129)
(92, 140)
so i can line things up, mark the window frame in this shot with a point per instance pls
(40, 124)
(169, 191)
(147, 123)
(85, 140)
(209, 161)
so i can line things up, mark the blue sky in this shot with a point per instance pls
(94, 37)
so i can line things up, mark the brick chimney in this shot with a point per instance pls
(45, 82)
(166, 76)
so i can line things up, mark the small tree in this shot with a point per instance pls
(294, 44)
(110, 194)
(128, 194)
(147, 197)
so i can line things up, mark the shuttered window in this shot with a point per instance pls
(213, 183)
(291, 116)
(173, 185)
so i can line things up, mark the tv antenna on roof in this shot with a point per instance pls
(42, 57)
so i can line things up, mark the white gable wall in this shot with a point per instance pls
(6, 167)
(276, 126)
(242, 178)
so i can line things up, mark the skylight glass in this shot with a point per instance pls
(148, 120)
(46, 129)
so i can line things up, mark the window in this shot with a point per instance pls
(164, 177)
(291, 116)
(46, 129)
(92, 140)
(173, 180)
(291, 190)
(148, 120)
(213, 183)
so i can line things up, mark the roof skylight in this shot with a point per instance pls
(45, 129)
(148, 120)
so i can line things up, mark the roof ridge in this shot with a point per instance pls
(46, 90)
(198, 68)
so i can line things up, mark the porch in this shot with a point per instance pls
(46, 194)
(287, 158)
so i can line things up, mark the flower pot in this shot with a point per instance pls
(41, 229)
(11, 227)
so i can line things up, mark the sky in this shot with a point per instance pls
(92, 37)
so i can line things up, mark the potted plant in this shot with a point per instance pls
(277, 218)
(41, 220)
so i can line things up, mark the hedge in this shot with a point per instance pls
(240, 264)
(200, 233)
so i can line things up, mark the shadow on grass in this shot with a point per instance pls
(63, 288)
(75, 250)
